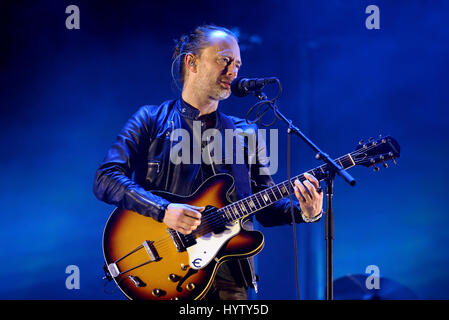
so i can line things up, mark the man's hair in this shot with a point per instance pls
(194, 43)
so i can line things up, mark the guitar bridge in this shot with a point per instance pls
(151, 250)
(113, 270)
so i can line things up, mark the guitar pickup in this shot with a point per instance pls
(151, 250)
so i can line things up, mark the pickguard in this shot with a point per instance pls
(208, 245)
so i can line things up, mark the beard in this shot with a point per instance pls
(218, 92)
(213, 88)
(221, 93)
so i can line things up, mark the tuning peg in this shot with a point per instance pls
(360, 142)
(385, 165)
(391, 155)
(375, 169)
(370, 139)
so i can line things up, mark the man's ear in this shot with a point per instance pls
(190, 62)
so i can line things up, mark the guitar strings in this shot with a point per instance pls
(214, 220)
(211, 221)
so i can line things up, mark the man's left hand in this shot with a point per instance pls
(310, 199)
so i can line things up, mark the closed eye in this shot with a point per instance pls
(229, 60)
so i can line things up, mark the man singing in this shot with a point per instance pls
(139, 161)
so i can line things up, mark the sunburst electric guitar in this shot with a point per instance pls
(147, 260)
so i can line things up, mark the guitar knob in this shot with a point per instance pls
(183, 267)
(137, 282)
(375, 169)
(158, 292)
(360, 142)
(385, 165)
(173, 277)
(190, 286)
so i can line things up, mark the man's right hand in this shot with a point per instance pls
(183, 218)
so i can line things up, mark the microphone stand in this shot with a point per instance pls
(332, 169)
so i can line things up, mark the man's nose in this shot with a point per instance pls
(232, 71)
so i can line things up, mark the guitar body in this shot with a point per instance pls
(145, 262)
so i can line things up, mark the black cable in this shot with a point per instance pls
(271, 104)
(268, 104)
(292, 213)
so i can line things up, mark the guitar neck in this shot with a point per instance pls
(268, 196)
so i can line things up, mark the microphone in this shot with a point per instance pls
(241, 87)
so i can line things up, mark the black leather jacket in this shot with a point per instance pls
(139, 161)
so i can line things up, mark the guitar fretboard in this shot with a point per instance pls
(268, 196)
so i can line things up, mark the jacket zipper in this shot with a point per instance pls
(157, 163)
(142, 200)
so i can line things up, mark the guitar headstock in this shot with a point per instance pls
(376, 151)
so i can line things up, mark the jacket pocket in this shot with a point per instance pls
(154, 168)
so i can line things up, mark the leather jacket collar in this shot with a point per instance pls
(186, 110)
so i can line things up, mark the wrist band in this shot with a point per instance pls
(314, 219)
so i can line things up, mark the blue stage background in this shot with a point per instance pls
(65, 94)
